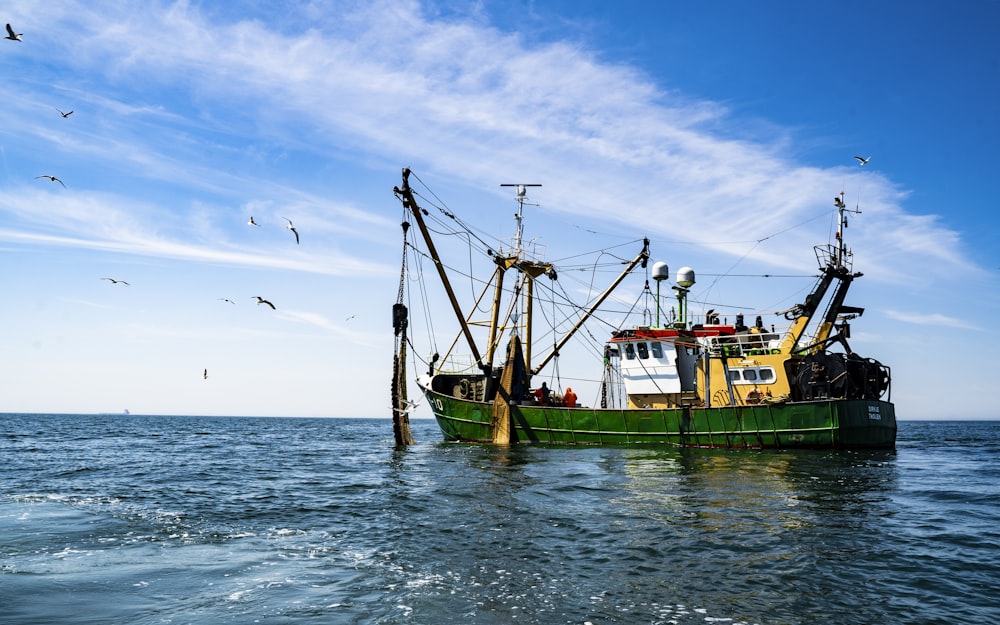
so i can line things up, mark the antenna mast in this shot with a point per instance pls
(841, 253)
(522, 197)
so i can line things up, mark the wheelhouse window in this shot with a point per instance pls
(752, 375)
(629, 351)
(657, 349)
(643, 350)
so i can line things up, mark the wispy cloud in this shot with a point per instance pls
(335, 328)
(387, 84)
(932, 319)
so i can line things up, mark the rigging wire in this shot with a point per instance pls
(555, 377)
(424, 299)
(756, 243)
(603, 250)
(733, 266)
(442, 208)
(555, 343)
(561, 305)
(609, 308)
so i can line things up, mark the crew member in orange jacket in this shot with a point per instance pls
(569, 398)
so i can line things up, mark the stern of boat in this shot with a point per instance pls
(866, 424)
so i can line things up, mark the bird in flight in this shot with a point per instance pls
(261, 300)
(113, 281)
(292, 228)
(863, 161)
(252, 222)
(12, 35)
(53, 179)
(227, 300)
(204, 376)
(67, 114)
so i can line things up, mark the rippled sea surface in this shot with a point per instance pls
(171, 520)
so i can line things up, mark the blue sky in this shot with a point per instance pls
(721, 131)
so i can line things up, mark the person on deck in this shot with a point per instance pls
(542, 394)
(569, 398)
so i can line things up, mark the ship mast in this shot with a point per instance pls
(522, 196)
(531, 269)
(836, 265)
(842, 253)
(841, 267)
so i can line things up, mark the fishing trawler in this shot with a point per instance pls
(682, 380)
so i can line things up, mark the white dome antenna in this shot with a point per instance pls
(661, 272)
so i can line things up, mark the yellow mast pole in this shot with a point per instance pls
(529, 301)
(494, 321)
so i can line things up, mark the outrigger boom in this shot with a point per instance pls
(411, 204)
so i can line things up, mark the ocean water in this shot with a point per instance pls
(174, 520)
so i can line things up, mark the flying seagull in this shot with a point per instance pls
(12, 35)
(252, 222)
(227, 300)
(65, 114)
(261, 300)
(113, 281)
(292, 228)
(204, 375)
(53, 179)
(863, 161)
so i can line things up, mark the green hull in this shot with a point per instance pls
(820, 424)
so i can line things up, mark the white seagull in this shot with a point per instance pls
(292, 228)
(261, 300)
(224, 299)
(53, 179)
(863, 161)
(67, 114)
(113, 281)
(252, 222)
(12, 35)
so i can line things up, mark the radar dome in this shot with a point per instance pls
(685, 277)
(660, 271)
